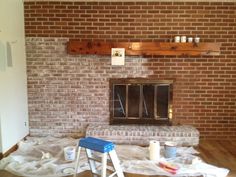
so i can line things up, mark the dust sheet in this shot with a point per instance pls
(44, 157)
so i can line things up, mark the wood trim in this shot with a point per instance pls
(75, 47)
(12, 149)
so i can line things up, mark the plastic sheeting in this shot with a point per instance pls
(44, 157)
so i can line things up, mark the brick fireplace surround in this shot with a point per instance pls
(66, 93)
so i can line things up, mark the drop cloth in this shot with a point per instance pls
(30, 160)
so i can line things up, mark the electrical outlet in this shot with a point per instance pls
(25, 123)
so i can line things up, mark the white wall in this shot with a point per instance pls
(13, 83)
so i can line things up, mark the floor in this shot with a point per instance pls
(219, 153)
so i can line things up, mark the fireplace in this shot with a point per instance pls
(141, 101)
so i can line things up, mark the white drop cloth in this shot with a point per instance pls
(27, 160)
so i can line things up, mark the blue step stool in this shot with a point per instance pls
(107, 149)
(96, 144)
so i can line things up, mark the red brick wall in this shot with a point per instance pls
(66, 92)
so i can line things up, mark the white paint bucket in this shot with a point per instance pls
(69, 153)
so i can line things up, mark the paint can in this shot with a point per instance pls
(170, 149)
(69, 153)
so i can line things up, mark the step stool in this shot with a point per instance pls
(92, 145)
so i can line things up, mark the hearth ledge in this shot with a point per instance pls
(183, 135)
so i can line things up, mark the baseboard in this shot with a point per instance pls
(12, 149)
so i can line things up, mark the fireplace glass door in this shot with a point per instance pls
(140, 101)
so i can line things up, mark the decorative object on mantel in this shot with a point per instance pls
(184, 39)
(117, 56)
(177, 39)
(143, 48)
(190, 39)
(197, 39)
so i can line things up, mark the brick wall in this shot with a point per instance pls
(66, 93)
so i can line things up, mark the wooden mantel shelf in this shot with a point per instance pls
(143, 48)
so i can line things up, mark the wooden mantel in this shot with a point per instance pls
(143, 48)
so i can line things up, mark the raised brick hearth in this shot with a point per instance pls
(141, 135)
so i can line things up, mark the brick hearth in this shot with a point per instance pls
(141, 135)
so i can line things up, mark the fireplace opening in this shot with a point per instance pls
(140, 101)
